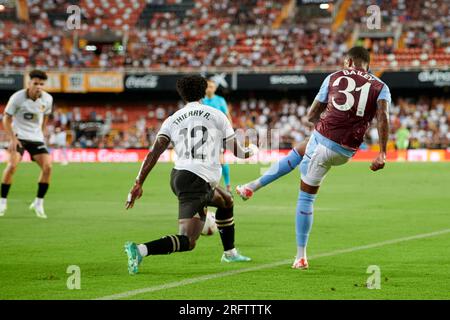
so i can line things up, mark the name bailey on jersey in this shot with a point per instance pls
(359, 73)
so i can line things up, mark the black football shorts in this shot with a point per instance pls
(193, 193)
(33, 147)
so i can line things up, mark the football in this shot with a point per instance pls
(210, 226)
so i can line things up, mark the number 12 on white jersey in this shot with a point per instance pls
(195, 139)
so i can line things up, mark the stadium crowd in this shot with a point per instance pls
(230, 33)
(174, 34)
(129, 127)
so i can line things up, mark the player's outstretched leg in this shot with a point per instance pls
(44, 162)
(13, 161)
(226, 176)
(225, 223)
(166, 245)
(313, 168)
(276, 171)
(189, 233)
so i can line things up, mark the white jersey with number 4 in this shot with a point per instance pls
(28, 115)
(198, 132)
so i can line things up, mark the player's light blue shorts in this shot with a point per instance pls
(320, 155)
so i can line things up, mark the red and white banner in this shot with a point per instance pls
(263, 157)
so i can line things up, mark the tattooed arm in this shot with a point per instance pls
(161, 144)
(383, 134)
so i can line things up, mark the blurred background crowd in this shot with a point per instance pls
(135, 126)
(173, 34)
(250, 35)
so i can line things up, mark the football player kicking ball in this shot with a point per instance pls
(352, 97)
(24, 121)
(198, 133)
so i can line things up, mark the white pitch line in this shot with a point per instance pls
(185, 282)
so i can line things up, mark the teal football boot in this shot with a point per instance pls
(235, 258)
(134, 257)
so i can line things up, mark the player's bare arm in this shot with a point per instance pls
(7, 125)
(44, 125)
(160, 145)
(315, 111)
(383, 134)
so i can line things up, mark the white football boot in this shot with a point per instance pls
(38, 207)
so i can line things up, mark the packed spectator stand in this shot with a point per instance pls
(253, 35)
(161, 35)
(135, 126)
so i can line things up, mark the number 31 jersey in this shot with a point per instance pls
(198, 132)
(351, 96)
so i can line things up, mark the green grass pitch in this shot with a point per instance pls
(88, 226)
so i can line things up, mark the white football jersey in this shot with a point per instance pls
(198, 132)
(28, 115)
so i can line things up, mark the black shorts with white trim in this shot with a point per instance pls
(33, 147)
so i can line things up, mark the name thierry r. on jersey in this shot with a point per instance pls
(192, 113)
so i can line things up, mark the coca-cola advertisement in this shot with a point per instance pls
(167, 82)
(145, 81)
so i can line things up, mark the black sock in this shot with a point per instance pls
(225, 224)
(168, 244)
(42, 189)
(5, 190)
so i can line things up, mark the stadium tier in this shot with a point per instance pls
(121, 125)
(168, 35)
(276, 46)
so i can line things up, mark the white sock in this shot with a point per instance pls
(142, 250)
(301, 253)
(39, 201)
(232, 252)
(3, 200)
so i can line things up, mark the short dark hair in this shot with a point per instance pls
(360, 54)
(38, 74)
(192, 88)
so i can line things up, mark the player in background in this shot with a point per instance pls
(58, 140)
(213, 100)
(61, 144)
(198, 133)
(24, 121)
(351, 98)
(402, 136)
